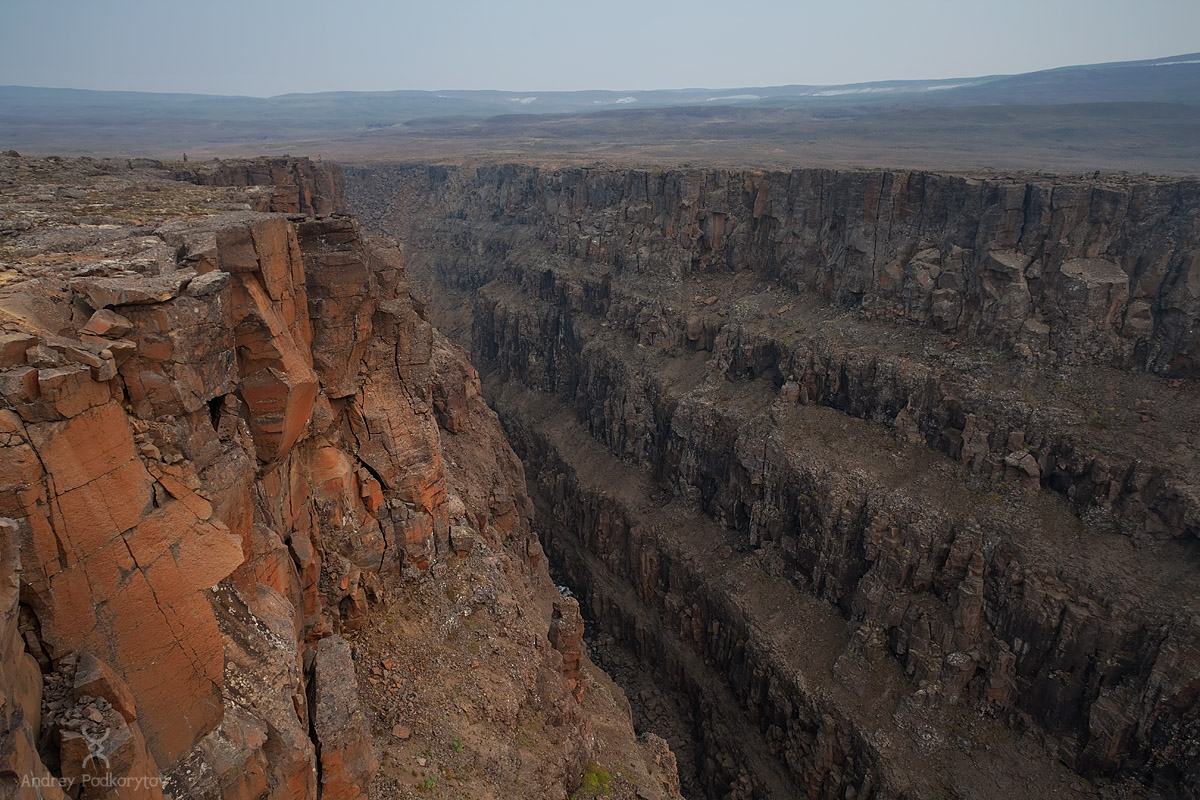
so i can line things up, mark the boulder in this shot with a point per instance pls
(343, 739)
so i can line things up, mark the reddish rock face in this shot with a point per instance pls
(167, 500)
(273, 334)
(221, 448)
(21, 684)
(566, 635)
(120, 572)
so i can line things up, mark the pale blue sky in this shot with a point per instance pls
(261, 48)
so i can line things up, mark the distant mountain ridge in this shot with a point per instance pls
(87, 121)
(1106, 82)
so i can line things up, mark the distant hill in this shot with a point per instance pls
(1163, 80)
(1134, 111)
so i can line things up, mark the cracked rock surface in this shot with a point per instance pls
(224, 436)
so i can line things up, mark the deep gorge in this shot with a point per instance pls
(869, 484)
(889, 479)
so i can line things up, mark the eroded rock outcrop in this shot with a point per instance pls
(347, 760)
(21, 683)
(222, 458)
(292, 185)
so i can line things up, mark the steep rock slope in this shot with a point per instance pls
(871, 470)
(244, 481)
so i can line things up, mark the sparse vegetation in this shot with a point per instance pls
(596, 781)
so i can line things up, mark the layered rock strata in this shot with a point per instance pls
(288, 185)
(923, 437)
(224, 456)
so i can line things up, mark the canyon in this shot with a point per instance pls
(870, 483)
(511, 480)
(260, 536)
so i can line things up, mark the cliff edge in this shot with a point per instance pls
(261, 536)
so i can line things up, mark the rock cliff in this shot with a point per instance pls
(875, 484)
(261, 536)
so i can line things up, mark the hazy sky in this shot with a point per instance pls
(261, 48)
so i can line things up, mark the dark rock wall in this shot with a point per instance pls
(650, 595)
(901, 391)
(1062, 269)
